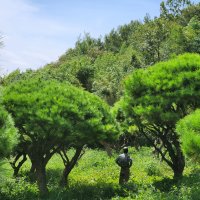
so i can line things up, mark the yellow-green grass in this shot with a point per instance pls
(96, 177)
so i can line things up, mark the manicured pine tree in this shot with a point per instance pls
(156, 98)
(52, 116)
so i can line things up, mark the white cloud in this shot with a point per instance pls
(31, 40)
(11, 8)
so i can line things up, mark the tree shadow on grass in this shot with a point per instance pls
(82, 191)
(78, 191)
(18, 189)
(165, 184)
(191, 183)
(53, 176)
(24, 189)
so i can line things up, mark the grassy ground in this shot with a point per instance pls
(96, 177)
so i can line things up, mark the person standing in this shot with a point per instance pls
(125, 162)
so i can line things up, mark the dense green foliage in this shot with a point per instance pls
(52, 116)
(157, 97)
(172, 8)
(189, 130)
(44, 109)
(8, 133)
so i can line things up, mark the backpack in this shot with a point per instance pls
(123, 161)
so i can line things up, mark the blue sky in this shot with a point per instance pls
(37, 32)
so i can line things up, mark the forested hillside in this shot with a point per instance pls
(100, 64)
(138, 86)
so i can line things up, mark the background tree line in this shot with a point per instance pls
(99, 65)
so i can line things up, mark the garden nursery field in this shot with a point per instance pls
(136, 90)
(96, 177)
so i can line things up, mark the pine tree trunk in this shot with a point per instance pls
(177, 159)
(179, 163)
(32, 169)
(41, 179)
(32, 172)
(17, 168)
(69, 167)
(64, 178)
